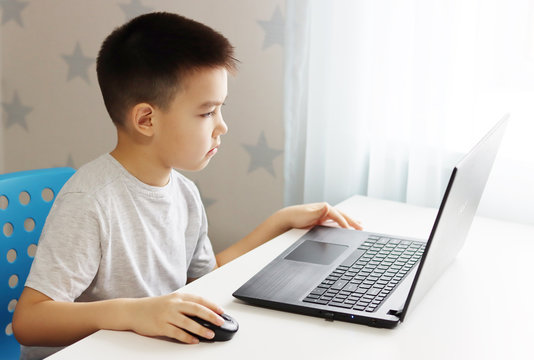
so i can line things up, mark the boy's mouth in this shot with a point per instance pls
(213, 151)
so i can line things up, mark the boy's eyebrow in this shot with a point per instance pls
(209, 104)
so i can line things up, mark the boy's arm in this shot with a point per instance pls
(298, 216)
(41, 321)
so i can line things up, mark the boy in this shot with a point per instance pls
(127, 230)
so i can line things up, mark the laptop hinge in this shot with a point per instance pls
(396, 313)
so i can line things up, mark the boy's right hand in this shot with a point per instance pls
(41, 321)
(169, 315)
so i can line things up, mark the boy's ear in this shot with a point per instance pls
(141, 118)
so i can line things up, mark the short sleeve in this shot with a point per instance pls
(68, 253)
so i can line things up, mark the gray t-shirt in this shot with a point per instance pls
(109, 235)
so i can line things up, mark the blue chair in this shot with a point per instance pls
(25, 200)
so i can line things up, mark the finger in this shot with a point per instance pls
(355, 224)
(192, 308)
(204, 302)
(194, 327)
(180, 335)
(333, 214)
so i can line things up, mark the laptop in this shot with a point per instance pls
(373, 278)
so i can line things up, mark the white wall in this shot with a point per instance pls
(53, 115)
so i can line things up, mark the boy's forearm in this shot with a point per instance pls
(52, 323)
(275, 225)
(41, 321)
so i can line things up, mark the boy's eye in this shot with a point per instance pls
(213, 112)
(207, 115)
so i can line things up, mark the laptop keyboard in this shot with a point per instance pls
(365, 283)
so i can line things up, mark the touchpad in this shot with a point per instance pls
(316, 252)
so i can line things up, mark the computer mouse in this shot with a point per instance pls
(222, 333)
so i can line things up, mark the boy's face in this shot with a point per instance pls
(188, 133)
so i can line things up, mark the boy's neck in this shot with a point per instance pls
(141, 165)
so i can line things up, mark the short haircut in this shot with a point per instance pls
(147, 59)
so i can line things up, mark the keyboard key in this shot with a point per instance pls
(318, 291)
(373, 291)
(350, 287)
(341, 305)
(340, 284)
(384, 293)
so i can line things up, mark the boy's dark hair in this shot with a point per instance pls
(146, 59)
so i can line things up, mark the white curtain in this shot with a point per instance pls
(384, 97)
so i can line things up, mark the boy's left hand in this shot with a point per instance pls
(303, 216)
(298, 216)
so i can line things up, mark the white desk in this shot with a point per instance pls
(481, 308)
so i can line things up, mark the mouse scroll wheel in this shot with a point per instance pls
(230, 324)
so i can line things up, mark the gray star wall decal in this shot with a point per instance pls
(11, 10)
(261, 155)
(70, 162)
(78, 64)
(134, 9)
(16, 112)
(274, 29)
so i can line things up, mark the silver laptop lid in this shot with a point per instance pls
(456, 213)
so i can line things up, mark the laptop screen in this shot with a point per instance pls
(456, 212)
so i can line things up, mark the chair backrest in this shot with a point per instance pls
(25, 200)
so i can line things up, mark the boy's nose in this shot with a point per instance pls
(222, 127)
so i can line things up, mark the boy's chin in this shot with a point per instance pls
(199, 167)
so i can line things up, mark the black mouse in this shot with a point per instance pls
(222, 333)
